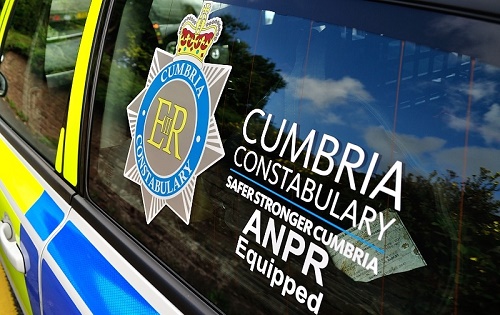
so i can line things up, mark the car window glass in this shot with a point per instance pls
(39, 59)
(360, 170)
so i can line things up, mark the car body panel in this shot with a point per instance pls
(34, 209)
(94, 276)
(72, 130)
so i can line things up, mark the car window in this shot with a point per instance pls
(39, 59)
(345, 170)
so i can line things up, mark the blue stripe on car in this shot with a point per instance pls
(99, 284)
(30, 254)
(55, 298)
(45, 215)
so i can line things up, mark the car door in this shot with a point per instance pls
(34, 199)
(56, 261)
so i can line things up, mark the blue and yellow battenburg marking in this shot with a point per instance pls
(34, 210)
(175, 137)
(79, 271)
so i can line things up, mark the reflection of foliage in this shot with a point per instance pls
(136, 52)
(121, 92)
(28, 33)
(253, 78)
(47, 41)
(24, 21)
(22, 116)
(18, 43)
(23, 28)
(140, 44)
(231, 28)
(448, 218)
(126, 68)
(48, 141)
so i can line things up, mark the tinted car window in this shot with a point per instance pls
(39, 60)
(360, 169)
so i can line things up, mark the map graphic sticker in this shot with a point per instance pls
(400, 253)
(174, 134)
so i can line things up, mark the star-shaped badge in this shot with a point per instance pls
(174, 133)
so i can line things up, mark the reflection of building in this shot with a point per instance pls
(64, 33)
(423, 71)
(430, 69)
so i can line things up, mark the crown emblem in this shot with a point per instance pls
(197, 35)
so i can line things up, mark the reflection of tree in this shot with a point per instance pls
(22, 31)
(129, 48)
(24, 22)
(253, 78)
(447, 219)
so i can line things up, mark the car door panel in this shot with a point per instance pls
(79, 271)
(34, 210)
(69, 267)
(96, 278)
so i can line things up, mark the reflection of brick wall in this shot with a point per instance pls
(13, 67)
(44, 107)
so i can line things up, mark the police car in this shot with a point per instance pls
(250, 157)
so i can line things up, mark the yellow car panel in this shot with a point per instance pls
(70, 170)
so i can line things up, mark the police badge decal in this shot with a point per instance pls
(174, 133)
